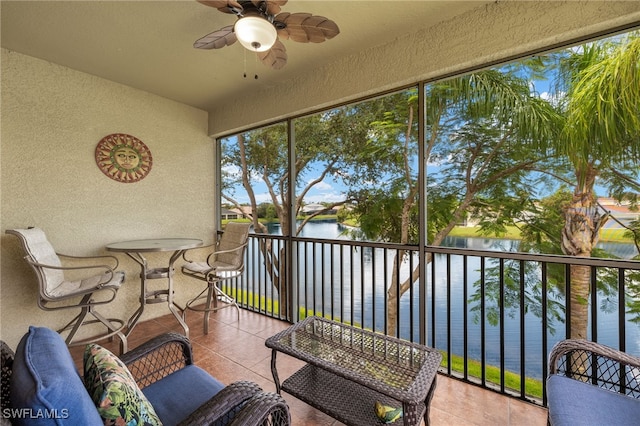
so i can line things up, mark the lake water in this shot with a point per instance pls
(454, 309)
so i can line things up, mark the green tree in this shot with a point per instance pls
(598, 99)
(480, 128)
(266, 211)
(600, 139)
(593, 134)
(326, 144)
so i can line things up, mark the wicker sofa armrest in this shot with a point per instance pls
(264, 408)
(6, 356)
(597, 364)
(241, 403)
(158, 357)
(224, 405)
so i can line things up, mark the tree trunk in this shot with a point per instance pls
(579, 303)
(274, 262)
(393, 293)
(397, 289)
(579, 236)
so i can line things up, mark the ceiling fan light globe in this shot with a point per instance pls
(255, 33)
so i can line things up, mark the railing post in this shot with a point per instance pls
(291, 248)
(422, 214)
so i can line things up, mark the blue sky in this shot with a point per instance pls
(331, 190)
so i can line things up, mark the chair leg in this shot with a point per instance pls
(74, 324)
(210, 299)
(114, 330)
(213, 294)
(227, 299)
(80, 320)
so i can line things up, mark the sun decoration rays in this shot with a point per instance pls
(123, 158)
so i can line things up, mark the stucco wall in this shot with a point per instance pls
(489, 33)
(52, 119)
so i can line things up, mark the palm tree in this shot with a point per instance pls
(601, 139)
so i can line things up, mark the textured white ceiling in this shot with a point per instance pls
(149, 44)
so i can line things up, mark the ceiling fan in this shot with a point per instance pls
(259, 26)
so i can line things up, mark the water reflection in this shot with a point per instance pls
(343, 282)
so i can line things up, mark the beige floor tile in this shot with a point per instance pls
(234, 350)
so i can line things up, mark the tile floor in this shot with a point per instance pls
(234, 350)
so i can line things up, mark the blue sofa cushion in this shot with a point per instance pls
(572, 402)
(46, 388)
(180, 393)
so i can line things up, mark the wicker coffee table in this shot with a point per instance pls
(348, 369)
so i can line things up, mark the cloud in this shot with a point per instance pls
(263, 197)
(554, 98)
(326, 197)
(235, 172)
(322, 186)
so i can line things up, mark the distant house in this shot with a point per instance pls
(229, 214)
(620, 214)
(244, 211)
(236, 213)
(618, 211)
(315, 208)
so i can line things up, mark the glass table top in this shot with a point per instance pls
(155, 244)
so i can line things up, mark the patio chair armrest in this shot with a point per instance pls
(107, 269)
(215, 253)
(158, 357)
(597, 364)
(184, 254)
(102, 257)
(577, 346)
(224, 405)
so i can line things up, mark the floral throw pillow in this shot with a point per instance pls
(114, 391)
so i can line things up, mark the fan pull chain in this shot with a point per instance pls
(255, 63)
(255, 76)
(245, 62)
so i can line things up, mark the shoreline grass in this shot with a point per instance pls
(609, 235)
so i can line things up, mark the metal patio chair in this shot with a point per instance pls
(56, 291)
(224, 263)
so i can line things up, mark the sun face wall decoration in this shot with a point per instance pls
(123, 158)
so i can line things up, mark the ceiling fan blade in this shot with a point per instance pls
(276, 57)
(225, 6)
(305, 27)
(217, 39)
(273, 6)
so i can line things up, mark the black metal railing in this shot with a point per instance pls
(494, 315)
